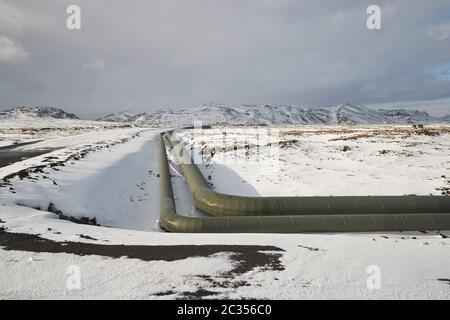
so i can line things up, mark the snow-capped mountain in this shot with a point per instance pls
(124, 116)
(214, 113)
(406, 116)
(36, 112)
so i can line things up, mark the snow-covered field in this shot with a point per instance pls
(31, 129)
(111, 174)
(325, 160)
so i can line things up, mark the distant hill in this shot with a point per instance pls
(36, 112)
(124, 116)
(214, 113)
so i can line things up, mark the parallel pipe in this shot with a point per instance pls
(218, 204)
(307, 223)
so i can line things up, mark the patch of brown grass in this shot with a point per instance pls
(396, 132)
(317, 132)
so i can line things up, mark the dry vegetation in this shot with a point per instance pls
(399, 132)
(345, 134)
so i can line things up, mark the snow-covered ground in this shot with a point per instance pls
(26, 129)
(112, 174)
(325, 160)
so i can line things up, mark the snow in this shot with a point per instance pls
(216, 113)
(316, 266)
(27, 112)
(323, 161)
(26, 129)
(124, 116)
(96, 188)
(117, 182)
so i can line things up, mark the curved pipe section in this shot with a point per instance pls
(218, 204)
(171, 221)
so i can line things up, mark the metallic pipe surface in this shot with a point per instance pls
(235, 214)
(218, 204)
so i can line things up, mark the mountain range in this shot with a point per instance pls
(214, 113)
(36, 112)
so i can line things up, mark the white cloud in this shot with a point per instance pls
(11, 51)
(10, 18)
(97, 64)
(440, 32)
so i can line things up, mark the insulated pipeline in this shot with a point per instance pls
(218, 204)
(279, 221)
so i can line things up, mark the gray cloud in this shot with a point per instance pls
(11, 51)
(97, 64)
(143, 55)
(440, 32)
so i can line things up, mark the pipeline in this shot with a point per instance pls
(218, 204)
(282, 222)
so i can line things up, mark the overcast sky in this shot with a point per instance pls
(143, 55)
